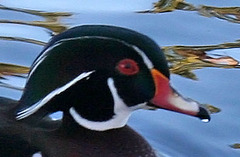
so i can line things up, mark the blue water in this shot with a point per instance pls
(171, 134)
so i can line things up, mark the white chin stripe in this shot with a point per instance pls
(35, 107)
(97, 126)
(121, 110)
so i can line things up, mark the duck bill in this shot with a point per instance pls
(168, 98)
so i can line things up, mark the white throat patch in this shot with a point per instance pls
(121, 110)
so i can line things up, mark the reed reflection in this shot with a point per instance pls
(230, 14)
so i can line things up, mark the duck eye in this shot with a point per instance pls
(128, 67)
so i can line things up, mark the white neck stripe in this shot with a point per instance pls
(121, 110)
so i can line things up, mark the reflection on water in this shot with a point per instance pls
(213, 109)
(183, 60)
(37, 42)
(235, 146)
(169, 5)
(11, 70)
(51, 22)
(231, 14)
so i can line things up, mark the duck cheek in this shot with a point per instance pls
(145, 88)
(135, 89)
(121, 113)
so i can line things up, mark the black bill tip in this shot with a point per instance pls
(204, 114)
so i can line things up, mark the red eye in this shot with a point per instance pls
(128, 67)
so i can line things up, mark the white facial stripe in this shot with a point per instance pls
(121, 110)
(146, 60)
(35, 107)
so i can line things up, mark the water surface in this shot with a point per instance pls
(201, 41)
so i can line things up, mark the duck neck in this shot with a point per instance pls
(121, 141)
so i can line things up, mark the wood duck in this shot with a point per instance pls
(96, 75)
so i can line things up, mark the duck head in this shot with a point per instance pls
(98, 75)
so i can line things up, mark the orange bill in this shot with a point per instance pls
(168, 98)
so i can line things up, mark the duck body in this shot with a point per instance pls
(83, 142)
(96, 76)
(20, 140)
(13, 136)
